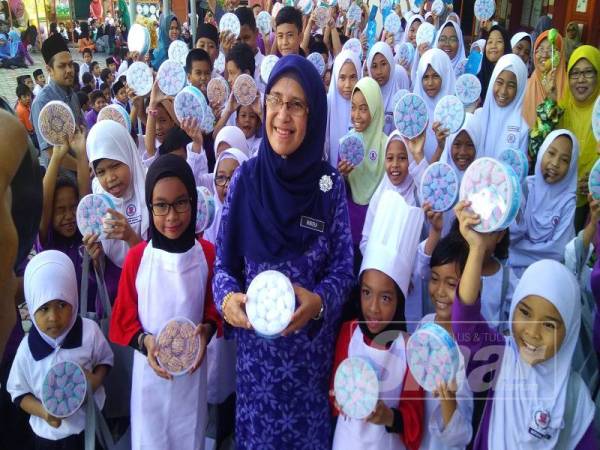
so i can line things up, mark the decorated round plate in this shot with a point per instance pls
(406, 52)
(594, 181)
(410, 116)
(354, 45)
(356, 387)
(244, 89)
(317, 60)
(432, 356)
(425, 34)
(171, 77)
(139, 78)
(460, 67)
(267, 66)
(190, 102)
(217, 91)
(56, 122)
(305, 6)
(494, 191)
(450, 112)
(138, 38)
(438, 7)
(263, 22)
(352, 148)
(270, 303)
(392, 23)
(517, 160)
(484, 9)
(64, 389)
(230, 22)
(208, 121)
(178, 51)
(398, 95)
(220, 63)
(354, 13)
(206, 209)
(321, 15)
(91, 211)
(177, 345)
(468, 88)
(439, 187)
(596, 119)
(116, 113)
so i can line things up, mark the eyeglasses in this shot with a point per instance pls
(448, 40)
(544, 51)
(294, 107)
(588, 74)
(222, 180)
(163, 208)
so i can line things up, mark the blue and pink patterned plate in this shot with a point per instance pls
(356, 387)
(450, 112)
(64, 389)
(439, 187)
(352, 148)
(410, 116)
(91, 211)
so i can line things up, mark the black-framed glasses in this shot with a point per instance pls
(222, 180)
(163, 208)
(294, 107)
(588, 74)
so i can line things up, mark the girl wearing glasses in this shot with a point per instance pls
(166, 411)
(578, 103)
(450, 40)
(286, 210)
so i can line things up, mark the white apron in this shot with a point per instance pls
(390, 365)
(169, 414)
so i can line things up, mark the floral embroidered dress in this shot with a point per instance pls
(283, 383)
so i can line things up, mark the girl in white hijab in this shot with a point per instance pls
(439, 61)
(403, 174)
(390, 79)
(119, 174)
(339, 102)
(521, 46)
(537, 401)
(545, 225)
(410, 34)
(58, 335)
(500, 119)
(231, 136)
(451, 42)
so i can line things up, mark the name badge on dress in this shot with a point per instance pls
(312, 224)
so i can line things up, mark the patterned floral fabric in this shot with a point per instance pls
(283, 383)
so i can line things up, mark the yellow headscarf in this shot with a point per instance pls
(578, 115)
(365, 177)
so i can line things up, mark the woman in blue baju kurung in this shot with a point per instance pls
(286, 210)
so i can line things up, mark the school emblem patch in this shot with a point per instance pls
(542, 419)
(130, 210)
(372, 155)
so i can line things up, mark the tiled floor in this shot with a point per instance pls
(8, 77)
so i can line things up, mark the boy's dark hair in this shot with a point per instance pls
(95, 95)
(110, 60)
(289, 14)
(117, 87)
(37, 73)
(318, 47)
(501, 250)
(196, 54)
(21, 78)
(87, 89)
(93, 65)
(82, 97)
(246, 17)
(87, 50)
(66, 181)
(105, 74)
(22, 90)
(175, 139)
(87, 78)
(243, 57)
(450, 249)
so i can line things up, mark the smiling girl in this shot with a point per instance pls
(450, 40)
(496, 45)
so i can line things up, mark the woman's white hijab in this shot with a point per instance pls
(338, 108)
(50, 275)
(440, 62)
(504, 127)
(109, 140)
(524, 392)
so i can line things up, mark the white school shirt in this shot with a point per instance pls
(27, 376)
(254, 145)
(36, 89)
(258, 59)
(459, 430)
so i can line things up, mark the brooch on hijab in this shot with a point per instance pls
(325, 183)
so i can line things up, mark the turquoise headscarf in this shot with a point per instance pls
(161, 53)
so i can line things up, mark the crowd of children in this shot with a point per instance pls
(511, 299)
